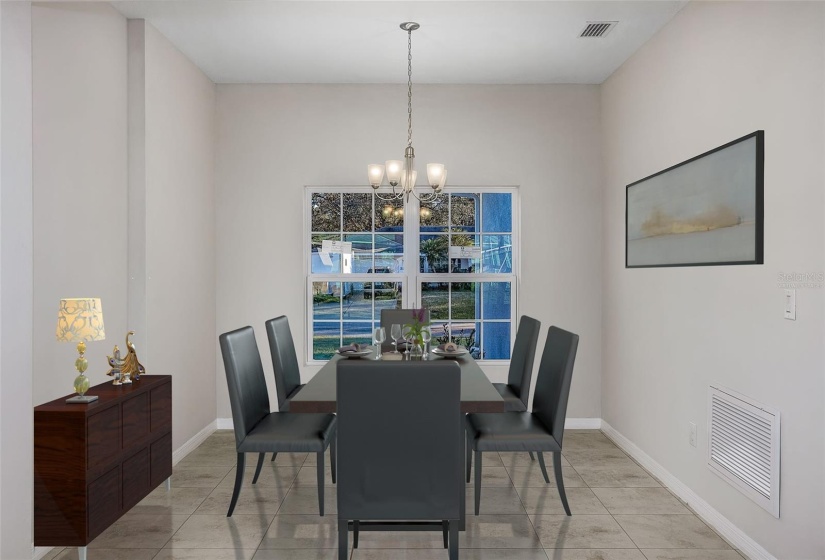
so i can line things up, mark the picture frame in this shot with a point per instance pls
(705, 211)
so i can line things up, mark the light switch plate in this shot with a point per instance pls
(790, 304)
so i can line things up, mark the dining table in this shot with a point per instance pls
(477, 393)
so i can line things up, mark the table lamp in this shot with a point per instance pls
(80, 320)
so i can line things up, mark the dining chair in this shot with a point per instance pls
(396, 463)
(257, 430)
(517, 389)
(390, 317)
(538, 431)
(284, 361)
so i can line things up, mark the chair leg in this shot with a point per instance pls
(543, 467)
(355, 531)
(532, 457)
(469, 457)
(453, 540)
(238, 482)
(560, 481)
(343, 539)
(445, 528)
(273, 456)
(478, 481)
(261, 457)
(321, 482)
(333, 457)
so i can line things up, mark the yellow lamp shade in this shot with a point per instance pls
(80, 320)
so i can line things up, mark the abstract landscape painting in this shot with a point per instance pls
(704, 211)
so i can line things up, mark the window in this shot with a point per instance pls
(454, 256)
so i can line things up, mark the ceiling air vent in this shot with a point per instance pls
(597, 28)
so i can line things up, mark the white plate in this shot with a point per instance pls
(359, 354)
(460, 352)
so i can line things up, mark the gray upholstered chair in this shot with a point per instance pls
(396, 463)
(541, 430)
(284, 361)
(390, 317)
(517, 389)
(257, 430)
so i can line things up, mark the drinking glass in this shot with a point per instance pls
(426, 337)
(379, 336)
(395, 333)
(405, 334)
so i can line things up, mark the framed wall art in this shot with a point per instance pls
(705, 211)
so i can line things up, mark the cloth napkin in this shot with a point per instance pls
(448, 347)
(349, 348)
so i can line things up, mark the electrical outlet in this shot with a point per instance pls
(692, 437)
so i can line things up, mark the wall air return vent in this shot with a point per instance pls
(597, 28)
(743, 445)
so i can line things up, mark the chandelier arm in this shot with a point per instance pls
(395, 197)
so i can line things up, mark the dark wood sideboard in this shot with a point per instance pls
(93, 462)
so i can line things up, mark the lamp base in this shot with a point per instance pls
(82, 399)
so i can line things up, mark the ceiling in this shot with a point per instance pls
(468, 42)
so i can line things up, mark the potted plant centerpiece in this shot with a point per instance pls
(418, 332)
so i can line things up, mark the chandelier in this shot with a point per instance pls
(400, 173)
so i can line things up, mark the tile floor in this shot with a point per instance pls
(620, 512)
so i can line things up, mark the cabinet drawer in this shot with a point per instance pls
(161, 405)
(135, 419)
(103, 499)
(135, 478)
(161, 457)
(103, 434)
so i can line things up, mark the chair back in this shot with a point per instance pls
(524, 354)
(284, 358)
(399, 440)
(245, 378)
(390, 317)
(553, 384)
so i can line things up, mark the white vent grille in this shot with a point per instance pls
(597, 28)
(743, 445)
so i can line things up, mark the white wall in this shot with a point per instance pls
(716, 72)
(272, 140)
(180, 231)
(16, 476)
(80, 181)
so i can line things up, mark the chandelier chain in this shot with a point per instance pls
(409, 87)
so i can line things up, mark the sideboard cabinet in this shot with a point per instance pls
(93, 462)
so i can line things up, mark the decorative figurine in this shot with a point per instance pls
(115, 363)
(131, 366)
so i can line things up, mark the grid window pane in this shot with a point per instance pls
(360, 333)
(464, 210)
(326, 212)
(464, 301)
(389, 216)
(462, 260)
(497, 209)
(389, 253)
(497, 254)
(357, 212)
(497, 302)
(435, 296)
(435, 215)
(326, 300)
(361, 253)
(324, 263)
(434, 253)
(326, 338)
(496, 341)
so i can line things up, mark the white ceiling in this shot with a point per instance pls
(499, 42)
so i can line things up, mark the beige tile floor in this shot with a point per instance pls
(620, 512)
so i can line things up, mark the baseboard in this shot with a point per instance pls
(193, 442)
(570, 423)
(582, 423)
(41, 552)
(734, 535)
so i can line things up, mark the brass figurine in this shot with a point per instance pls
(128, 368)
(115, 364)
(131, 366)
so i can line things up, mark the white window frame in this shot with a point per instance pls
(411, 278)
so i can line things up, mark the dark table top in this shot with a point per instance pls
(477, 393)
